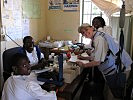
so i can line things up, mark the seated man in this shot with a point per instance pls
(35, 57)
(20, 86)
(33, 52)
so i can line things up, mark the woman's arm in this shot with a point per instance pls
(90, 64)
(85, 58)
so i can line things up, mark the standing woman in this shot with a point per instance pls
(94, 75)
(105, 49)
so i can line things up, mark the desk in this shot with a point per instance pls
(68, 91)
(47, 51)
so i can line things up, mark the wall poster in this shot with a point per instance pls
(54, 4)
(70, 5)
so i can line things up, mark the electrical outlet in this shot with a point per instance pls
(2, 37)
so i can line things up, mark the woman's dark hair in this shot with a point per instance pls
(16, 58)
(100, 19)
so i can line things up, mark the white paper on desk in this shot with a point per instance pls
(74, 59)
(41, 70)
(84, 54)
(84, 61)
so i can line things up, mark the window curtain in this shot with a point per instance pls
(128, 32)
(107, 6)
(111, 6)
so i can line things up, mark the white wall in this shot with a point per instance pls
(37, 31)
(62, 25)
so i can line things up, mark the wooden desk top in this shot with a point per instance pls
(68, 91)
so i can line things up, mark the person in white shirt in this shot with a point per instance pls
(99, 24)
(33, 52)
(105, 52)
(19, 86)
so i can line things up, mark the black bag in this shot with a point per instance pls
(116, 83)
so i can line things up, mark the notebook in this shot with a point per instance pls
(74, 59)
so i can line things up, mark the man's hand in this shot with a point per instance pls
(91, 58)
(40, 65)
(44, 62)
(88, 52)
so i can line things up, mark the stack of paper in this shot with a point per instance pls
(74, 59)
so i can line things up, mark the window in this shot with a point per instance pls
(88, 11)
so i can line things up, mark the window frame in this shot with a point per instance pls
(91, 14)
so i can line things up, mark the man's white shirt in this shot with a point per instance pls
(19, 87)
(33, 56)
(106, 29)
